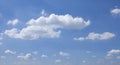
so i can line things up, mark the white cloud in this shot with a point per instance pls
(44, 56)
(25, 57)
(13, 22)
(9, 52)
(58, 61)
(80, 38)
(64, 54)
(33, 32)
(116, 11)
(113, 52)
(47, 27)
(61, 21)
(43, 13)
(96, 36)
(13, 33)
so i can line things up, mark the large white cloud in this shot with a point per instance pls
(10, 52)
(116, 11)
(25, 57)
(60, 21)
(33, 32)
(96, 36)
(47, 27)
(13, 22)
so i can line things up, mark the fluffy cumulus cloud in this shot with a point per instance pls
(9, 52)
(47, 27)
(114, 52)
(116, 11)
(96, 36)
(13, 22)
(25, 57)
(64, 53)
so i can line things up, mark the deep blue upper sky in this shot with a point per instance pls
(64, 49)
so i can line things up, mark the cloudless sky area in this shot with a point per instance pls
(59, 32)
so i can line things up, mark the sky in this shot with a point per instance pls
(59, 32)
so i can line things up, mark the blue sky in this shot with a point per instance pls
(59, 32)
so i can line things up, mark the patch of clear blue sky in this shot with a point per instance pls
(97, 11)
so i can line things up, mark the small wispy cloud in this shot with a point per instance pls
(58, 61)
(64, 54)
(13, 22)
(115, 11)
(113, 52)
(44, 56)
(9, 52)
(43, 13)
(96, 36)
(25, 57)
